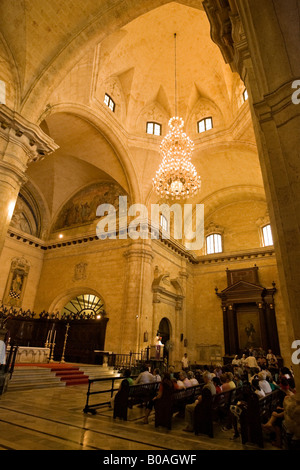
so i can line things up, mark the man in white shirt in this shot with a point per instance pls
(185, 362)
(145, 376)
(251, 362)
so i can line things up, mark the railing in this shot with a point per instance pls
(91, 408)
(129, 361)
(10, 360)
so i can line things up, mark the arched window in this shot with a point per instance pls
(267, 235)
(109, 102)
(213, 243)
(153, 128)
(84, 306)
(164, 222)
(205, 124)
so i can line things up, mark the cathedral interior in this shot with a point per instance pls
(87, 90)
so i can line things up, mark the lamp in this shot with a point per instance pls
(176, 177)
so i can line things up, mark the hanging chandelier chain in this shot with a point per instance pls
(175, 68)
(176, 177)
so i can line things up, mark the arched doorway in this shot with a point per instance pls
(165, 334)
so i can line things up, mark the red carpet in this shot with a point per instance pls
(68, 373)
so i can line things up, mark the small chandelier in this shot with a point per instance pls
(176, 177)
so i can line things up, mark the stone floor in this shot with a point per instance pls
(53, 419)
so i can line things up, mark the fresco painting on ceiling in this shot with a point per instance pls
(81, 209)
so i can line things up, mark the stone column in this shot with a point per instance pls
(139, 258)
(261, 41)
(21, 143)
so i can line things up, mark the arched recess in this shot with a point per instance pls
(32, 210)
(165, 332)
(168, 304)
(100, 121)
(65, 296)
(84, 306)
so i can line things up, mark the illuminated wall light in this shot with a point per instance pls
(60, 235)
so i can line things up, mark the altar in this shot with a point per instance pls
(31, 355)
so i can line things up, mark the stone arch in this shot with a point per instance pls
(98, 120)
(64, 296)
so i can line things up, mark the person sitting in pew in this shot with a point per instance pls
(256, 388)
(145, 376)
(189, 409)
(183, 381)
(156, 375)
(227, 382)
(192, 378)
(217, 384)
(166, 388)
(263, 383)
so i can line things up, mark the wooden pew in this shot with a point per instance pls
(130, 395)
(176, 402)
(212, 408)
(258, 412)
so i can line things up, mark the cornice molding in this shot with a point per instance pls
(15, 128)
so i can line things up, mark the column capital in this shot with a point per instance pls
(17, 130)
(140, 250)
(228, 33)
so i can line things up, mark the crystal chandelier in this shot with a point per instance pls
(176, 177)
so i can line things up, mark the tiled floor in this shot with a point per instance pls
(53, 419)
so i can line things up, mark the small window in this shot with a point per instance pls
(153, 128)
(205, 124)
(267, 235)
(245, 95)
(164, 222)
(214, 243)
(109, 102)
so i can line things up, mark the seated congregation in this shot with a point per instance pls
(244, 399)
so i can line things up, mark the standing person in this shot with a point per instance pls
(271, 360)
(185, 362)
(236, 361)
(251, 362)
